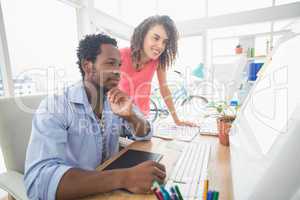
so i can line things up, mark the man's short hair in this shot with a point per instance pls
(90, 46)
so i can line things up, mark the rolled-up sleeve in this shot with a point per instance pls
(129, 128)
(45, 158)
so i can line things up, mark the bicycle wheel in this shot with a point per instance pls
(194, 104)
(153, 114)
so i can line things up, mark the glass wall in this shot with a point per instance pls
(134, 12)
(42, 41)
(1, 83)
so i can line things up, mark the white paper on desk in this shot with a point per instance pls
(168, 131)
(165, 131)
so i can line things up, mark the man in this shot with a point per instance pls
(75, 132)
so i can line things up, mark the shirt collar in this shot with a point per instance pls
(77, 94)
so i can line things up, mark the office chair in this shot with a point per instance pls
(15, 128)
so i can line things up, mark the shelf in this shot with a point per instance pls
(263, 57)
(228, 55)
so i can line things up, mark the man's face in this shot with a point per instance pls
(105, 71)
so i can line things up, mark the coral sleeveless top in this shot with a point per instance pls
(137, 83)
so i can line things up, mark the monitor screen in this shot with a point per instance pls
(264, 118)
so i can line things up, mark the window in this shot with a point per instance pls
(280, 2)
(111, 7)
(131, 12)
(189, 56)
(282, 24)
(182, 10)
(224, 47)
(216, 7)
(122, 43)
(2, 169)
(42, 42)
(135, 11)
(1, 84)
(189, 53)
(246, 29)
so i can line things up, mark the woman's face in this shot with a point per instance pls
(155, 42)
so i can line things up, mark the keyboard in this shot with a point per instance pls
(182, 133)
(190, 170)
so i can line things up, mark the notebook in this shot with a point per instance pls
(132, 158)
(209, 127)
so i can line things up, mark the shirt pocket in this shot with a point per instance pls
(84, 143)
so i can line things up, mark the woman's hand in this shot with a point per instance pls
(185, 123)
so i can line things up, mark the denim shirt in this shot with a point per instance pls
(66, 134)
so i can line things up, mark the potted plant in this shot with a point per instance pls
(238, 49)
(225, 116)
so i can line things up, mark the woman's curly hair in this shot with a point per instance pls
(137, 40)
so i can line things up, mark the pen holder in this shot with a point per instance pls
(224, 125)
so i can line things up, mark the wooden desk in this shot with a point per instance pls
(219, 172)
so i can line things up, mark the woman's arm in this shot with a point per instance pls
(167, 96)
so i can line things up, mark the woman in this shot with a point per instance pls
(153, 48)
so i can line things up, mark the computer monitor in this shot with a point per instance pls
(265, 137)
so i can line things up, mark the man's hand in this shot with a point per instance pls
(141, 177)
(120, 103)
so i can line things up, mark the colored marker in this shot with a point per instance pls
(174, 195)
(205, 190)
(216, 195)
(157, 195)
(161, 197)
(166, 193)
(178, 192)
(209, 195)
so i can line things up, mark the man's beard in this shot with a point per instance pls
(102, 89)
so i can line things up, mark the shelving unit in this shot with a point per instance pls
(247, 42)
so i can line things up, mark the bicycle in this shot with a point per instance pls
(181, 97)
